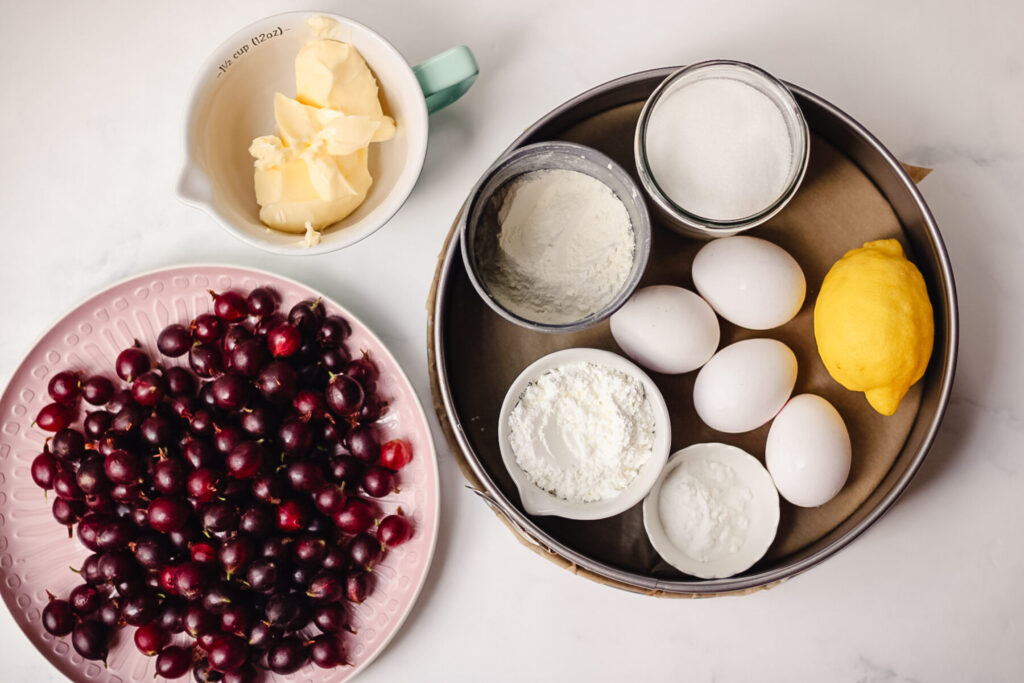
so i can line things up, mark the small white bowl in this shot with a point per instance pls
(537, 501)
(764, 517)
(233, 103)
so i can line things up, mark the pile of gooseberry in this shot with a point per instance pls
(231, 506)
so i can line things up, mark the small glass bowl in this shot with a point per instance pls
(689, 223)
(480, 214)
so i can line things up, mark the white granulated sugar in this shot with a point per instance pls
(705, 510)
(719, 148)
(582, 431)
(565, 247)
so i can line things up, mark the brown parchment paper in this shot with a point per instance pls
(837, 209)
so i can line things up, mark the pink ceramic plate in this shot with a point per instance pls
(35, 552)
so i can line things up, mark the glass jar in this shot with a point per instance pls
(679, 217)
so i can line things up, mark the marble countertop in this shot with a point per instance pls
(90, 133)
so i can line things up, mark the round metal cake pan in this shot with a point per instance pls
(922, 234)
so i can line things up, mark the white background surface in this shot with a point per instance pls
(90, 147)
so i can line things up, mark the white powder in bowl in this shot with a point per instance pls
(705, 509)
(719, 148)
(582, 431)
(564, 247)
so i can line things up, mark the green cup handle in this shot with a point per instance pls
(446, 77)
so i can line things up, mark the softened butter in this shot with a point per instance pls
(314, 171)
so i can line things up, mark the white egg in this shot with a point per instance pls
(749, 281)
(744, 385)
(666, 329)
(808, 451)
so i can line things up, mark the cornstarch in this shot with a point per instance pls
(705, 509)
(582, 431)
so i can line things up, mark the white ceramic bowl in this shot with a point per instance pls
(232, 103)
(537, 501)
(764, 512)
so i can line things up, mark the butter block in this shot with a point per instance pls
(293, 193)
(330, 73)
(314, 170)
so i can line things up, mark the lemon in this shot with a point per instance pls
(873, 323)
